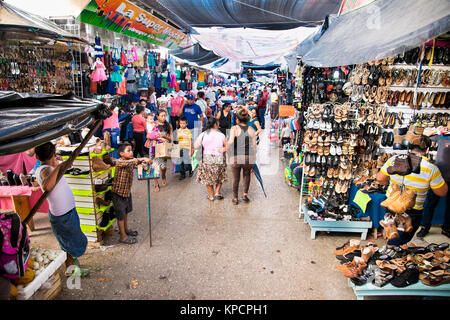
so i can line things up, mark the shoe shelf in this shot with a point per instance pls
(420, 89)
(336, 226)
(417, 289)
(83, 189)
(424, 67)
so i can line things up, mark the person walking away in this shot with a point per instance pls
(121, 190)
(162, 132)
(242, 142)
(139, 131)
(212, 170)
(194, 115)
(442, 138)
(175, 106)
(212, 99)
(275, 107)
(224, 118)
(63, 215)
(152, 104)
(262, 105)
(286, 134)
(254, 123)
(184, 137)
(203, 105)
(208, 112)
(111, 125)
(429, 177)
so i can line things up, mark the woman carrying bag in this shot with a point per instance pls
(212, 170)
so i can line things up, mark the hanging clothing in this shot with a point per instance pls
(111, 87)
(135, 54)
(115, 51)
(131, 80)
(123, 58)
(145, 59)
(115, 75)
(143, 80)
(98, 47)
(151, 60)
(122, 90)
(175, 105)
(99, 73)
(158, 80)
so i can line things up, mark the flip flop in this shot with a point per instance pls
(129, 240)
(210, 198)
(218, 197)
(132, 233)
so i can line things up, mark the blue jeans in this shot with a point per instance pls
(115, 133)
(297, 171)
(261, 113)
(431, 204)
(185, 161)
(405, 237)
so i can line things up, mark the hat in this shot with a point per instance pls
(189, 96)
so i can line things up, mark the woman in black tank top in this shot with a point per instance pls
(243, 147)
(224, 121)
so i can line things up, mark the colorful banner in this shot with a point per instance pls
(126, 18)
(350, 5)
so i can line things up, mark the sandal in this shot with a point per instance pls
(132, 233)
(236, 201)
(157, 189)
(164, 182)
(210, 199)
(129, 240)
(218, 197)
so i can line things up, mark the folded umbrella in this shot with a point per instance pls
(259, 178)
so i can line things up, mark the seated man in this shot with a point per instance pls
(420, 183)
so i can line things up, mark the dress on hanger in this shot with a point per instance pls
(98, 47)
(123, 58)
(99, 73)
(135, 54)
(115, 75)
(115, 51)
(143, 80)
(122, 87)
(131, 80)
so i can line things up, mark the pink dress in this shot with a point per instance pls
(99, 73)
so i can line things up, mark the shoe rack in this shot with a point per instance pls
(83, 188)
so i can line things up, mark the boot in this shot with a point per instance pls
(99, 165)
(401, 166)
(395, 193)
(415, 163)
(406, 201)
(107, 138)
(107, 159)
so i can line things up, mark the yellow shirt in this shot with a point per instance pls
(429, 177)
(201, 76)
(184, 138)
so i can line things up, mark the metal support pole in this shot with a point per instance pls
(149, 212)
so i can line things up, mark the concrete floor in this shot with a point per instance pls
(213, 250)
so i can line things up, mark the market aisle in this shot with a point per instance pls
(204, 250)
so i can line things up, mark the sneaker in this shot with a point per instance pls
(82, 272)
(423, 232)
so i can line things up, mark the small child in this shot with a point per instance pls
(285, 136)
(186, 149)
(121, 190)
(63, 215)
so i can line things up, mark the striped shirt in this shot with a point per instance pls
(429, 177)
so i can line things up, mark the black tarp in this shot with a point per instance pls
(261, 14)
(195, 53)
(26, 122)
(265, 67)
(379, 30)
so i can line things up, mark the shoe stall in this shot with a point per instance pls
(361, 109)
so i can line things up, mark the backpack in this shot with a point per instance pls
(14, 246)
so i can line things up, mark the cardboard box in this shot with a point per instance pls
(167, 150)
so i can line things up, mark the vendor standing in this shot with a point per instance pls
(193, 114)
(429, 177)
(442, 138)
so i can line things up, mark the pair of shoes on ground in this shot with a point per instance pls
(131, 239)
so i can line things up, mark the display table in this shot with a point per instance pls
(21, 199)
(417, 289)
(376, 212)
(337, 226)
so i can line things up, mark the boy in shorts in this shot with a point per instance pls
(121, 190)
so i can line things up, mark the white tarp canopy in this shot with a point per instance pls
(245, 44)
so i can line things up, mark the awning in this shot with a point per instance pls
(195, 53)
(379, 30)
(261, 14)
(13, 19)
(245, 44)
(26, 122)
(266, 67)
